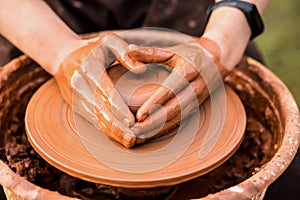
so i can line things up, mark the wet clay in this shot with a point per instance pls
(257, 148)
(137, 88)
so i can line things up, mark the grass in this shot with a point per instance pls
(280, 43)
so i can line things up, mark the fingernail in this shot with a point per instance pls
(130, 139)
(142, 117)
(140, 140)
(127, 122)
(139, 69)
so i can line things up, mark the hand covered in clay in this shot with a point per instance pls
(85, 85)
(193, 64)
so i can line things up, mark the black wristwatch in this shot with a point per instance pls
(254, 20)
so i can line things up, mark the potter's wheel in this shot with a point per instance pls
(55, 132)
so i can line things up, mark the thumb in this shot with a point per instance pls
(149, 54)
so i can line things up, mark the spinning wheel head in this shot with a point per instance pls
(89, 155)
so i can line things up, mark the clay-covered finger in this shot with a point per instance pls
(120, 48)
(103, 88)
(115, 129)
(172, 108)
(150, 54)
(183, 72)
(108, 125)
(98, 112)
(149, 129)
(165, 127)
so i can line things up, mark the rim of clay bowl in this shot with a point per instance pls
(255, 185)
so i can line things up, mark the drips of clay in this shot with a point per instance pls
(49, 120)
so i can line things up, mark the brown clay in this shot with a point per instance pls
(47, 127)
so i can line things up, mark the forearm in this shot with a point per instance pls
(229, 28)
(36, 30)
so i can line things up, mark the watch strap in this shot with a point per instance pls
(250, 11)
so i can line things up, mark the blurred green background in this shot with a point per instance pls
(280, 42)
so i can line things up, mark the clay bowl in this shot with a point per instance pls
(266, 100)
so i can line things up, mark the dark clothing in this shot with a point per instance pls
(186, 16)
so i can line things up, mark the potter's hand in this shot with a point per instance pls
(194, 64)
(85, 85)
